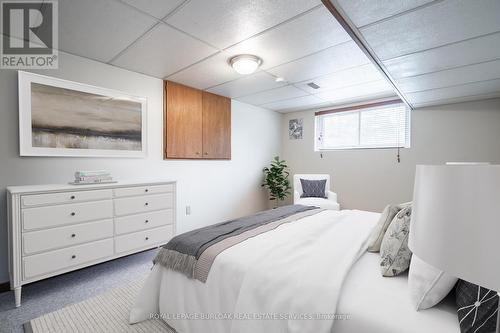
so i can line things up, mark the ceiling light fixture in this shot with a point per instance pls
(245, 63)
(279, 79)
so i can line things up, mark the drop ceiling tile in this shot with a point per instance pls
(156, 8)
(464, 53)
(442, 23)
(307, 34)
(99, 29)
(247, 85)
(363, 12)
(154, 56)
(340, 101)
(471, 89)
(451, 77)
(295, 104)
(223, 23)
(273, 95)
(335, 58)
(460, 99)
(365, 91)
(347, 77)
(207, 73)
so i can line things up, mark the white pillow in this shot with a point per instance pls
(379, 230)
(428, 285)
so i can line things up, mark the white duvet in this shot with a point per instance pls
(279, 281)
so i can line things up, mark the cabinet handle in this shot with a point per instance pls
(206, 153)
(73, 213)
(146, 204)
(197, 153)
(147, 238)
(73, 256)
(146, 221)
(72, 197)
(73, 235)
(146, 190)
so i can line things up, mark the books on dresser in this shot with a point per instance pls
(92, 177)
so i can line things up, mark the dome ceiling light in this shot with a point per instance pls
(245, 63)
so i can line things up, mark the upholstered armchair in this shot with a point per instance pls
(330, 202)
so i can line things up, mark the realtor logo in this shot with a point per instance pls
(29, 34)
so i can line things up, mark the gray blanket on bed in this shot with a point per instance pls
(182, 252)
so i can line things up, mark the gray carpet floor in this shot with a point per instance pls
(52, 294)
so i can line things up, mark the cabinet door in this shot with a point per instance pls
(216, 126)
(183, 121)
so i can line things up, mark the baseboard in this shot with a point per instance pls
(4, 287)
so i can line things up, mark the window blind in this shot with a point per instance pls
(374, 126)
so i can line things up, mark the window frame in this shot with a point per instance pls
(319, 126)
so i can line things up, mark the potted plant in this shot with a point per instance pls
(276, 180)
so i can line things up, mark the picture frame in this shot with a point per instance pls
(64, 118)
(295, 129)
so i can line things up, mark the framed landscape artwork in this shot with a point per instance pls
(64, 118)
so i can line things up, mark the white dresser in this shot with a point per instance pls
(55, 229)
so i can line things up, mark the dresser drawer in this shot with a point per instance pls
(53, 261)
(53, 216)
(65, 197)
(145, 203)
(141, 190)
(44, 240)
(143, 239)
(144, 221)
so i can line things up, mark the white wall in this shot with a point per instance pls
(216, 190)
(371, 179)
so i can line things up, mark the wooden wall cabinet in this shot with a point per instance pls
(216, 126)
(197, 124)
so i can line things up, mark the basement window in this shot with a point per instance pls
(375, 125)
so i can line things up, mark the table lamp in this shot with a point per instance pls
(455, 222)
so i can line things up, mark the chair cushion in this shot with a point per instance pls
(318, 202)
(313, 188)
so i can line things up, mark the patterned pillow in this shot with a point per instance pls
(477, 308)
(394, 252)
(313, 188)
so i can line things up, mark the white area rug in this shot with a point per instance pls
(107, 312)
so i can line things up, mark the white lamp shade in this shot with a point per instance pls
(455, 222)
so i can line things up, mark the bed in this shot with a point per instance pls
(294, 278)
(380, 304)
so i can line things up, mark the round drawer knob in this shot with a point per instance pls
(73, 213)
(146, 204)
(72, 197)
(73, 235)
(73, 256)
(146, 190)
(147, 221)
(147, 238)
